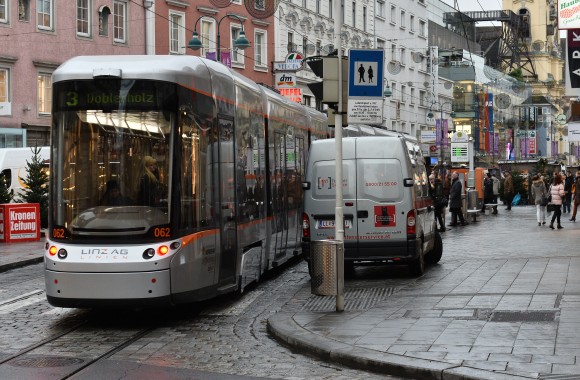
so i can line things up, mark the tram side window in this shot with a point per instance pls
(196, 180)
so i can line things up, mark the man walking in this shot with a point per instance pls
(455, 201)
(508, 189)
(495, 190)
(576, 193)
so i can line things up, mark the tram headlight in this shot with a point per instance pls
(149, 253)
(62, 253)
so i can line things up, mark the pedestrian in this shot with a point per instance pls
(455, 201)
(538, 193)
(446, 179)
(488, 193)
(576, 193)
(495, 191)
(436, 192)
(568, 182)
(557, 193)
(508, 189)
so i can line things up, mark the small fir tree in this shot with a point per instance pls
(36, 182)
(5, 195)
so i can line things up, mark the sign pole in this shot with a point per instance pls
(339, 213)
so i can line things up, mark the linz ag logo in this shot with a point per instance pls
(104, 251)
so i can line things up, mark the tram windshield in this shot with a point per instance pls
(112, 140)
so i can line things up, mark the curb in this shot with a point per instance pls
(20, 264)
(283, 327)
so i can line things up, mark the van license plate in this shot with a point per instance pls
(322, 224)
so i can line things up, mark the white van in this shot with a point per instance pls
(13, 165)
(388, 212)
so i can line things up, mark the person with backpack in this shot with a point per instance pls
(539, 192)
(508, 190)
(557, 193)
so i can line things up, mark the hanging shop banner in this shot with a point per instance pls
(574, 132)
(568, 14)
(573, 47)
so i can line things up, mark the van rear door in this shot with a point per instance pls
(322, 206)
(380, 218)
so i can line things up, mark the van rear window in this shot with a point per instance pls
(380, 179)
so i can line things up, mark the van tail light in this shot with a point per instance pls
(411, 222)
(305, 225)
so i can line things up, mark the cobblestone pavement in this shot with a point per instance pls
(458, 313)
(503, 302)
(224, 336)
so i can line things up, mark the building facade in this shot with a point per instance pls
(36, 37)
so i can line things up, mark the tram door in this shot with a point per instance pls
(227, 201)
(280, 195)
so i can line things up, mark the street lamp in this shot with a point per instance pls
(387, 93)
(430, 116)
(241, 42)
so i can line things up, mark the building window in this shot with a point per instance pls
(403, 21)
(237, 55)
(393, 14)
(260, 48)
(120, 21)
(412, 98)
(207, 40)
(393, 52)
(304, 46)
(304, 5)
(364, 18)
(412, 23)
(84, 18)
(402, 56)
(381, 9)
(318, 5)
(342, 10)
(403, 93)
(176, 33)
(44, 93)
(422, 28)
(422, 98)
(4, 86)
(330, 8)
(44, 16)
(353, 14)
(380, 44)
(4, 11)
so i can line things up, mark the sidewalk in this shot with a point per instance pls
(503, 303)
(15, 255)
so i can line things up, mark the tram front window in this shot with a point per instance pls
(111, 176)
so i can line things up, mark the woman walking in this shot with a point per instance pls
(557, 192)
(538, 193)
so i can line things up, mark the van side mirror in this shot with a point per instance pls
(305, 185)
(408, 182)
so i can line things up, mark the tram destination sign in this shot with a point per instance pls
(92, 97)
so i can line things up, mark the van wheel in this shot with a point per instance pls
(417, 267)
(435, 255)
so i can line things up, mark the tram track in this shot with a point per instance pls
(55, 351)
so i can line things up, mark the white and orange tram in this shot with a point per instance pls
(173, 179)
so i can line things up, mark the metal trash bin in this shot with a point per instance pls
(324, 268)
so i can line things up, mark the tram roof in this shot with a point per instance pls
(178, 69)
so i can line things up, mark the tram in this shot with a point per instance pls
(174, 179)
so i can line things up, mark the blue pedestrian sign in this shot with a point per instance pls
(366, 73)
(365, 87)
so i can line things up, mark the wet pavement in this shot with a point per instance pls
(503, 303)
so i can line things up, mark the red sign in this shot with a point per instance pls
(19, 222)
(294, 94)
(385, 216)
